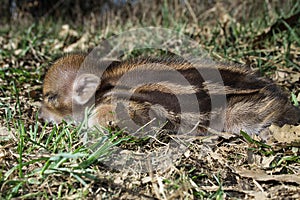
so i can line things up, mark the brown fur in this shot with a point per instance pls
(253, 102)
(57, 90)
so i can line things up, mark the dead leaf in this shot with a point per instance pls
(80, 44)
(283, 75)
(4, 134)
(260, 175)
(286, 134)
(266, 161)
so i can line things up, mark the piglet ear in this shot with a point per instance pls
(85, 87)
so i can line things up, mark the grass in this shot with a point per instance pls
(53, 162)
(61, 153)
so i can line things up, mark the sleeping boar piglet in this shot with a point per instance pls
(170, 89)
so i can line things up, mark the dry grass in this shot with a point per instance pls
(45, 161)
